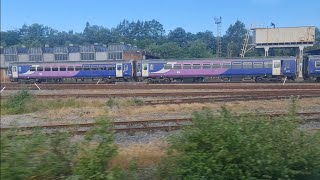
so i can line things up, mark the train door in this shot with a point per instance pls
(119, 72)
(276, 67)
(145, 70)
(14, 71)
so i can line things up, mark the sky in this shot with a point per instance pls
(192, 15)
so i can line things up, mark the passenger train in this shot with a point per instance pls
(266, 69)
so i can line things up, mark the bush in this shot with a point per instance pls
(111, 102)
(16, 103)
(136, 101)
(55, 156)
(247, 147)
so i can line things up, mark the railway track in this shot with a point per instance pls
(142, 125)
(285, 93)
(16, 86)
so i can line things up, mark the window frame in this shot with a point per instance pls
(247, 67)
(94, 67)
(216, 66)
(40, 69)
(86, 67)
(235, 65)
(47, 69)
(196, 66)
(78, 68)
(227, 65)
(257, 63)
(268, 64)
(62, 68)
(102, 67)
(206, 66)
(32, 69)
(186, 65)
(111, 68)
(70, 68)
(54, 69)
(177, 66)
(167, 66)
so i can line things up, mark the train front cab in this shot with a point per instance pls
(311, 67)
(288, 68)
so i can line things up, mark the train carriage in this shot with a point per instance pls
(41, 71)
(311, 67)
(198, 70)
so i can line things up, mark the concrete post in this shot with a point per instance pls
(266, 51)
(300, 59)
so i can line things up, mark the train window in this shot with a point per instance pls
(32, 68)
(14, 69)
(86, 68)
(145, 67)
(39, 68)
(257, 65)
(119, 67)
(216, 66)
(187, 66)
(317, 64)
(206, 66)
(70, 68)
(47, 68)
(102, 67)
(277, 65)
(177, 66)
(78, 68)
(111, 68)
(126, 67)
(236, 65)
(226, 65)
(63, 68)
(151, 66)
(55, 68)
(196, 66)
(267, 64)
(168, 66)
(247, 65)
(94, 68)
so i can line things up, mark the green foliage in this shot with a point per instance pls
(36, 156)
(97, 150)
(23, 102)
(111, 102)
(136, 101)
(16, 103)
(247, 147)
(57, 156)
(149, 35)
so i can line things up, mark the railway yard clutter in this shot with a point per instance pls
(130, 129)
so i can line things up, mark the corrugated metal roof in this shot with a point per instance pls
(100, 49)
(47, 50)
(22, 50)
(74, 49)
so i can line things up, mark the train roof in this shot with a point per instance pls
(73, 62)
(221, 59)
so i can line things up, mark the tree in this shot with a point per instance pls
(232, 40)
(246, 147)
(198, 49)
(178, 36)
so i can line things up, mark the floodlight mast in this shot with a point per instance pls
(218, 22)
